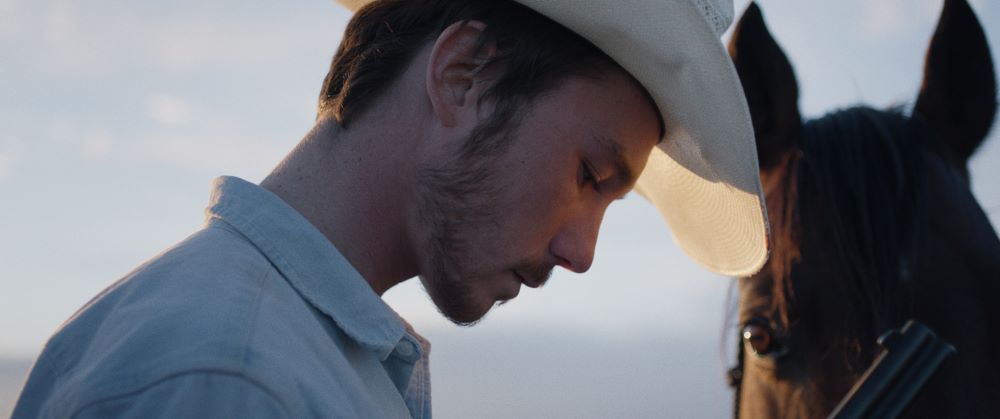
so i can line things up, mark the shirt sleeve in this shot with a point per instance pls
(191, 395)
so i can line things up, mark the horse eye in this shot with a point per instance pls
(760, 338)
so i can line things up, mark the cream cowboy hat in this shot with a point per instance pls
(703, 177)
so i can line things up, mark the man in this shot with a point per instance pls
(475, 144)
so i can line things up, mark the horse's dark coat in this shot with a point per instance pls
(872, 223)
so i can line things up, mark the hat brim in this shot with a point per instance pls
(703, 177)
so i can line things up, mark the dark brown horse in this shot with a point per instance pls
(873, 223)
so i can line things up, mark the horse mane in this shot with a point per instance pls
(850, 201)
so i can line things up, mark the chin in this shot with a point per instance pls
(463, 313)
(467, 311)
(457, 303)
(466, 321)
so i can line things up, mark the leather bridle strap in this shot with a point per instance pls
(735, 377)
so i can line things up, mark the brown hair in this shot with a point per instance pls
(383, 37)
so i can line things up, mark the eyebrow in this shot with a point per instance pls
(613, 148)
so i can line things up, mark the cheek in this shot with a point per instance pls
(756, 398)
(527, 228)
(538, 201)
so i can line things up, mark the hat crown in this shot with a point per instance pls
(718, 14)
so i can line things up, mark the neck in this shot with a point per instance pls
(353, 186)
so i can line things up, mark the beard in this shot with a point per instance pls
(459, 206)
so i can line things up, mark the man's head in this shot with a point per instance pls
(534, 133)
(464, 78)
(525, 51)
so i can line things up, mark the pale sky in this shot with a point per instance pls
(116, 115)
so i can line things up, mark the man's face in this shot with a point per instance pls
(499, 221)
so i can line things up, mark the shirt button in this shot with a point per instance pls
(406, 349)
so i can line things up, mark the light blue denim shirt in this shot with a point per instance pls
(256, 315)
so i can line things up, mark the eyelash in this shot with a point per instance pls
(588, 175)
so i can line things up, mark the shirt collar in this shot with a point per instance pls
(310, 262)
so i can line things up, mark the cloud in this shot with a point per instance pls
(59, 25)
(6, 162)
(195, 45)
(884, 17)
(904, 18)
(97, 145)
(11, 152)
(219, 148)
(896, 18)
(214, 152)
(60, 36)
(167, 109)
(71, 46)
(8, 17)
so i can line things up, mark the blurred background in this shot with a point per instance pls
(115, 116)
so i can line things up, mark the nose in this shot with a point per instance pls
(573, 246)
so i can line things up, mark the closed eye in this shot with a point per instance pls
(589, 176)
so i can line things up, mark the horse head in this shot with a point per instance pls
(873, 222)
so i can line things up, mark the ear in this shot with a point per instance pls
(455, 72)
(958, 96)
(769, 84)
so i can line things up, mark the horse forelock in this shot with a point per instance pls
(849, 203)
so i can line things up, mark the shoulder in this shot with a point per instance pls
(192, 308)
(213, 305)
(190, 394)
(199, 290)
